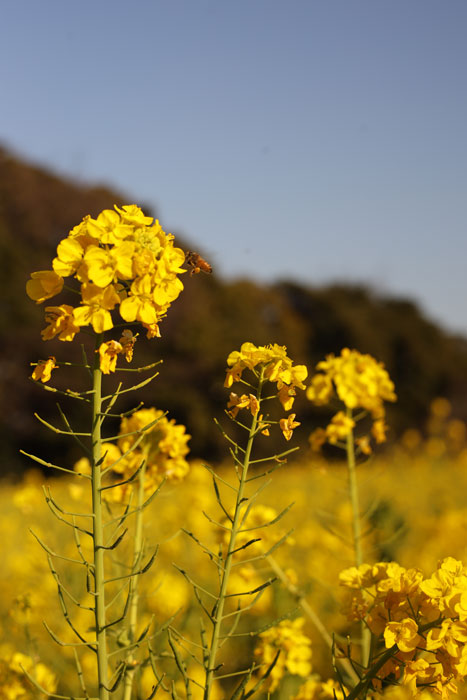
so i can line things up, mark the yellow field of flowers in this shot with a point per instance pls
(138, 573)
(415, 511)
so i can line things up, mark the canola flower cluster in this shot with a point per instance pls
(289, 646)
(422, 620)
(120, 259)
(359, 382)
(276, 367)
(147, 438)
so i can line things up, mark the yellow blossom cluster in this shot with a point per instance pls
(359, 382)
(147, 439)
(121, 259)
(294, 649)
(277, 368)
(423, 620)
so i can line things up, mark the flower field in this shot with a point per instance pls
(136, 572)
(416, 515)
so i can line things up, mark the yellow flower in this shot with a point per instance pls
(339, 427)
(69, 258)
(320, 389)
(152, 330)
(163, 448)
(359, 381)
(276, 366)
(61, 322)
(287, 425)
(295, 647)
(120, 258)
(236, 402)
(264, 427)
(106, 266)
(108, 227)
(286, 396)
(139, 305)
(356, 577)
(418, 672)
(132, 214)
(43, 370)
(404, 634)
(43, 285)
(379, 430)
(96, 307)
(108, 353)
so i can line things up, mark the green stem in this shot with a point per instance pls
(219, 608)
(98, 528)
(353, 492)
(134, 593)
(356, 528)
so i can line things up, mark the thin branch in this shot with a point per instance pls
(134, 387)
(67, 644)
(135, 573)
(58, 430)
(54, 466)
(72, 432)
(271, 522)
(51, 552)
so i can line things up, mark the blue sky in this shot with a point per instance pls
(316, 140)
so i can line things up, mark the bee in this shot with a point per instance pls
(196, 263)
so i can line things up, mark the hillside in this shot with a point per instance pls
(37, 209)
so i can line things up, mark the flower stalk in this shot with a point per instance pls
(236, 524)
(98, 529)
(134, 581)
(365, 637)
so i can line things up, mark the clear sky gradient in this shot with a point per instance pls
(317, 140)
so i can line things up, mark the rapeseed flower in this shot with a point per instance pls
(359, 382)
(339, 427)
(276, 367)
(162, 449)
(403, 633)
(295, 651)
(43, 285)
(120, 259)
(416, 615)
(43, 370)
(61, 323)
(287, 425)
(108, 353)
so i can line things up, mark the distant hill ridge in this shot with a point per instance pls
(209, 320)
